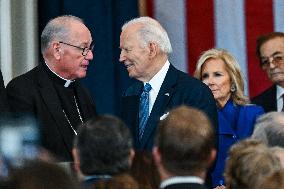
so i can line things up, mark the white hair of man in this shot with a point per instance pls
(151, 31)
(269, 128)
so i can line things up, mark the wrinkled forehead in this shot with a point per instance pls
(271, 46)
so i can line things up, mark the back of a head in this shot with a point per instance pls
(185, 141)
(279, 152)
(104, 145)
(151, 31)
(274, 180)
(57, 28)
(40, 175)
(269, 128)
(121, 181)
(249, 162)
(149, 177)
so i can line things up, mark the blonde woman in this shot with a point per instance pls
(220, 71)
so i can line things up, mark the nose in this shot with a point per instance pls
(122, 57)
(209, 81)
(89, 55)
(271, 62)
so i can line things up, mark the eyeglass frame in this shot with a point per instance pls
(85, 49)
(277, 59)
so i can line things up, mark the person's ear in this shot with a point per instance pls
(153, 48)
(131, 156)
(56, 50)
(212, 157)
(156, 156)
(76, 158)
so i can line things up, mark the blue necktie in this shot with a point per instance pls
(144, 109)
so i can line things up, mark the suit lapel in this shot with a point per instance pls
(130, 113)
(53, 104)
(160, 105)
(272, 106)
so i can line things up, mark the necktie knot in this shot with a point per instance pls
(147, 87)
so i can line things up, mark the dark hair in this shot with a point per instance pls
(40, 175)
(185, 141)
(121, 181)
(104, 144)
(149, 177)
(264, 38)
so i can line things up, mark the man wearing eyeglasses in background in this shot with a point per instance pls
(270, 51)
(51, 92)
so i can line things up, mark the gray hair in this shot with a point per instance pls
(57, 28)
(151, 31)
(269, 128)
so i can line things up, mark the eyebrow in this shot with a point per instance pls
(273, 54)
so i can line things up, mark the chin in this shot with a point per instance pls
(82, 75)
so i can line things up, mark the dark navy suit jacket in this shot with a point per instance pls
(267, 99)
(178, 88)
(235, 123)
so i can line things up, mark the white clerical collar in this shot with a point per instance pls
(181, 179)
(67, 83)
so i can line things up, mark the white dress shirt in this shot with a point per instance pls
(279, 99)
(156, 83)
(181, 179)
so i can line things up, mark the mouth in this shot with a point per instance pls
(275, 74)
(128, 66)
(214, 90)
(84, 66)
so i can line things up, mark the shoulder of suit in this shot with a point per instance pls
(267, 93)
(28, 77)
(252, 107)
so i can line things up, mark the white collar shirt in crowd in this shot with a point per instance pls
(181, 179)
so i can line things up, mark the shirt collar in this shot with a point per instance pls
(158, 79)
(67, 83)
(181, 179)
(89, 177)
(279, 91)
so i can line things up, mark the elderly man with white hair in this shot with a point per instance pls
(145, 49)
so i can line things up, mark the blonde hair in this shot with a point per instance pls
(233, 68)
(249, 162)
